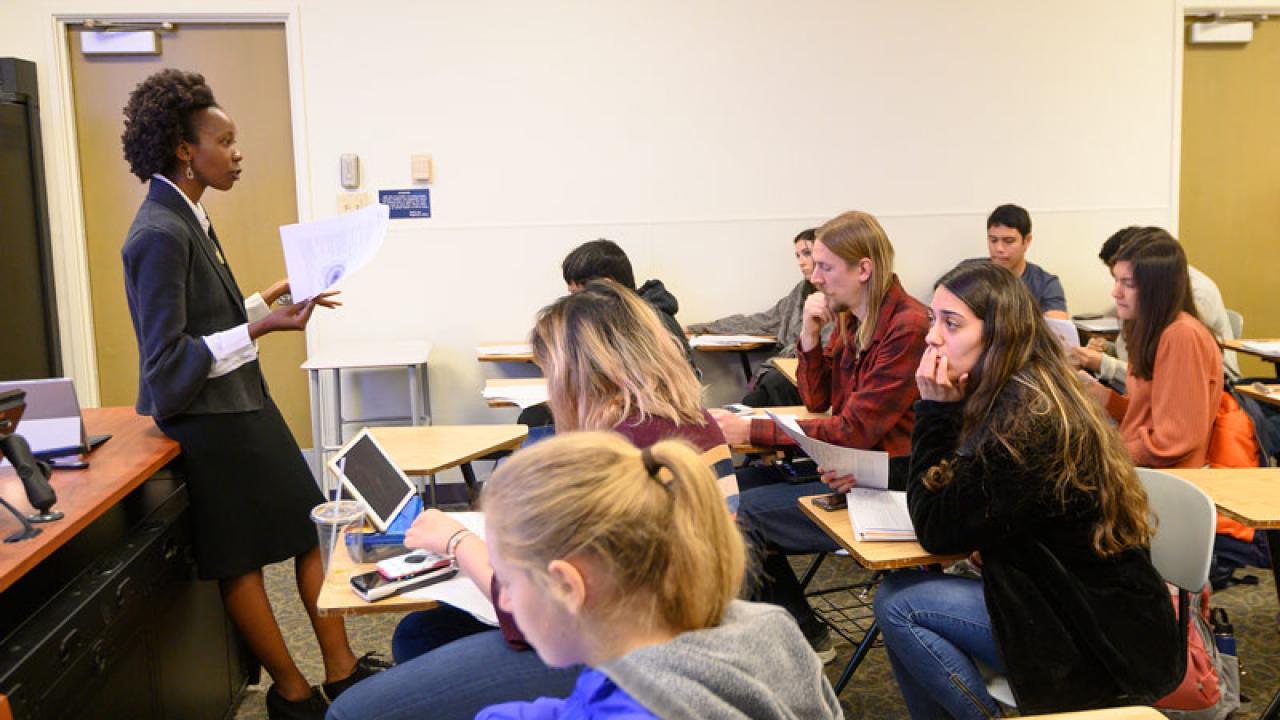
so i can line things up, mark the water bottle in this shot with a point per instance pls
(1224, 635)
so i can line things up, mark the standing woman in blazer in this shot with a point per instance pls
(199, 378)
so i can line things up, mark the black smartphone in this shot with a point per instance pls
(800, 470)
(832, 501)
(373, 587)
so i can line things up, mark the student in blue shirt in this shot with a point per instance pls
(625, 561)
(1008, 239)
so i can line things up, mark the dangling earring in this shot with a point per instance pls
(190, 175)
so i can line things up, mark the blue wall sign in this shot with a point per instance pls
(413, 203)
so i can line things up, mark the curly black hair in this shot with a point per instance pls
(158, 117)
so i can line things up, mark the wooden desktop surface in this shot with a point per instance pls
(500, 352)
(137, 449)
(1238, 346)
(1261, 392)
(337, 597)
(1133, 712)
(1250, 495)
(429, 449)
(789, 367)
(871, 555)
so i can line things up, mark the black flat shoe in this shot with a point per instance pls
(309, 708)
(368, 664)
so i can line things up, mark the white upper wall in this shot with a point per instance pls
(701, 137)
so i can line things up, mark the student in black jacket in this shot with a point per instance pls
(199, 378)
(1010, 460)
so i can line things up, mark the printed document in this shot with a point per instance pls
(870, 467)
(879, 515)
(1065, 330)
(729, 340)
(319, 254)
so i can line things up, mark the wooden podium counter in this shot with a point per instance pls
(101, 614)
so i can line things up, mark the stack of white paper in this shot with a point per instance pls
(729, 340)
(522, 395)
(460, 592)
(880, 515)
(321, 253)
(1100, 325)
(1265, 347)
(870, 467)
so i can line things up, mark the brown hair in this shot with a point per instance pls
(1164, 289)
(608, 357)
(653, 521)
(853, 236)
(1022, 389)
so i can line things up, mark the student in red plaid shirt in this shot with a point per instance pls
(865, 376)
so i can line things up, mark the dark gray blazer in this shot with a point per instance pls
(178, 292)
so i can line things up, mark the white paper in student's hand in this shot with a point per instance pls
(460, 592)
(870, 467)
(1065, 330)
(319, 254)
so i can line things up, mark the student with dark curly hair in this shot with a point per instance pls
(199, 378)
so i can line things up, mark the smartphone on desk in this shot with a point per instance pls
(832, 501)
(372, 586)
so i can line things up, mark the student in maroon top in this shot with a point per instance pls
(865, 377)
(610, 365)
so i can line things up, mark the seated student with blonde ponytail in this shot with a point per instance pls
(610, 364)
(624, 561)
(1010, 459)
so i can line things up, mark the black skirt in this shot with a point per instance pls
(251, 491)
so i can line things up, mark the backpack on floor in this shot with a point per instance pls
(1210, 690)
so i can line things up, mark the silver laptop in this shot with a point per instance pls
(51, 424)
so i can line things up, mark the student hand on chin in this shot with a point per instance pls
(431, 531)
(838, 483)
(737, 430)
(934, 380)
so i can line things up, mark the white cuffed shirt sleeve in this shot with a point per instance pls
(233, 348)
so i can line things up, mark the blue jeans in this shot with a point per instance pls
(424, 631)
(454, 682)
(775, 527)
(934, 626)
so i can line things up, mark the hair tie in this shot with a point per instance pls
(653, 467)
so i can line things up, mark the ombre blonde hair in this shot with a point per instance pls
(853, 236)
(608, 359)
(653, 522)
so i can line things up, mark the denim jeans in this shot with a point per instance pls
(454, 682)
(423, 631)
(934, 626)
(775, 527)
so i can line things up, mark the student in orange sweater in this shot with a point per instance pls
(1175, 379)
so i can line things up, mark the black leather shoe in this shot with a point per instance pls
(310, 708)
(368, 664)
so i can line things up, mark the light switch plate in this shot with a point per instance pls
(349, 170)
(420, 168)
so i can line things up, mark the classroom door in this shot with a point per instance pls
(246, 65)
(1229, 215)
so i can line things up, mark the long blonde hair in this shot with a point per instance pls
(853, 236)
(653, 521)
(608, 357)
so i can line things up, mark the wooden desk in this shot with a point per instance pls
(499, 383)
(137, 449)
(505, 352)
(1269, 394)
(871, 555)
(430, 449)
(789, 367)
(742, 348)
(1133, 712)
(337, 597)
(1238, 346)
(1252, 496)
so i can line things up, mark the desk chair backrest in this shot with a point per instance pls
(1236, 320)
(1182, 547)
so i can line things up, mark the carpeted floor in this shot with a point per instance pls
(871, 694)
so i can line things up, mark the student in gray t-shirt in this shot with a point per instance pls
(1008, 237)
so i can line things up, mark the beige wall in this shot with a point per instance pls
(1230, 209)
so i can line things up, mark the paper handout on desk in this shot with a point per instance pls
(460, 592)
(880, 515)
(1065, 330)
(729, 340)
(1264, 347)
(318, 254)
(870, 467)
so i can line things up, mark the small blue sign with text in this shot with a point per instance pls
(413, 203)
